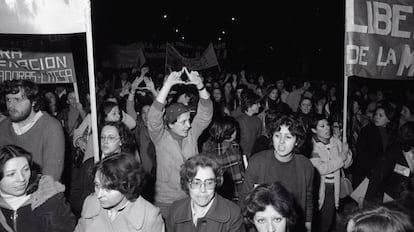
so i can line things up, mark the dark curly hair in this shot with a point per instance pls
(274, 195)
(28, 89)
(249, 98)
(121, 172)
(189, 170)
(295, 126)
(223, 129)
(105, 109)
(127, 138)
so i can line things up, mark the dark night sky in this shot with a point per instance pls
(308, 34)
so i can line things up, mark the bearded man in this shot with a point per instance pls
(32, 129)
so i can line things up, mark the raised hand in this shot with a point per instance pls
(136, 82)
(174, 78)
(149, 83)
(194, 78)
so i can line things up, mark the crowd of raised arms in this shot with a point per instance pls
(206, 151)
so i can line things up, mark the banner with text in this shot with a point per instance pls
(174, 60)
(379, 39)
(42, 59)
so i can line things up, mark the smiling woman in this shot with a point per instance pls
(30, 202)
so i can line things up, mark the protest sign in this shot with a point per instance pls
(379, 39)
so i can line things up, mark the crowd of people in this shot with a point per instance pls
(190, 151)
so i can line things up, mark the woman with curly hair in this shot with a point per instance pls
(203, 209)
(284, 164)
(270, 208)
(116, 137)
(117, 204)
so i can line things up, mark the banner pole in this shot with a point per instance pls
(345, 110)
(91, 74)
(76, 91)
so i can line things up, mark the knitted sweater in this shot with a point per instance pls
(262, 171)
(45, 140)
(250, 130)
(170, 156)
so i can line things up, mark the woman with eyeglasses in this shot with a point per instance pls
(116, 137)
(117, 204)
(204, 209)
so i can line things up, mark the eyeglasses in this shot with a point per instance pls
(109, 138)
(196, 183)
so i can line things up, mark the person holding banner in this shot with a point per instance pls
(329, 155)
(175, 137)
(33, 129)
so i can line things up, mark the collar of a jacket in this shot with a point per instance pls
(135, 211)
(218, 212)
(47, 188)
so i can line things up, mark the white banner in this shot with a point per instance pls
(43, 16)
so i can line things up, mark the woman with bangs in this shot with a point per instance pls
(270, 208)
(284, 164)
(117, 204)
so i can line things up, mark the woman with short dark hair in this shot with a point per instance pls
(222, 147)
(30, 202)
(270, 208)
(204, 209)
(284, 164)
(117, 204)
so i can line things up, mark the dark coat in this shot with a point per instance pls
(369, 151)
(223, 216)
(385, 179)
(46, 210)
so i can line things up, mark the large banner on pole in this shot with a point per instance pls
(379, 39)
